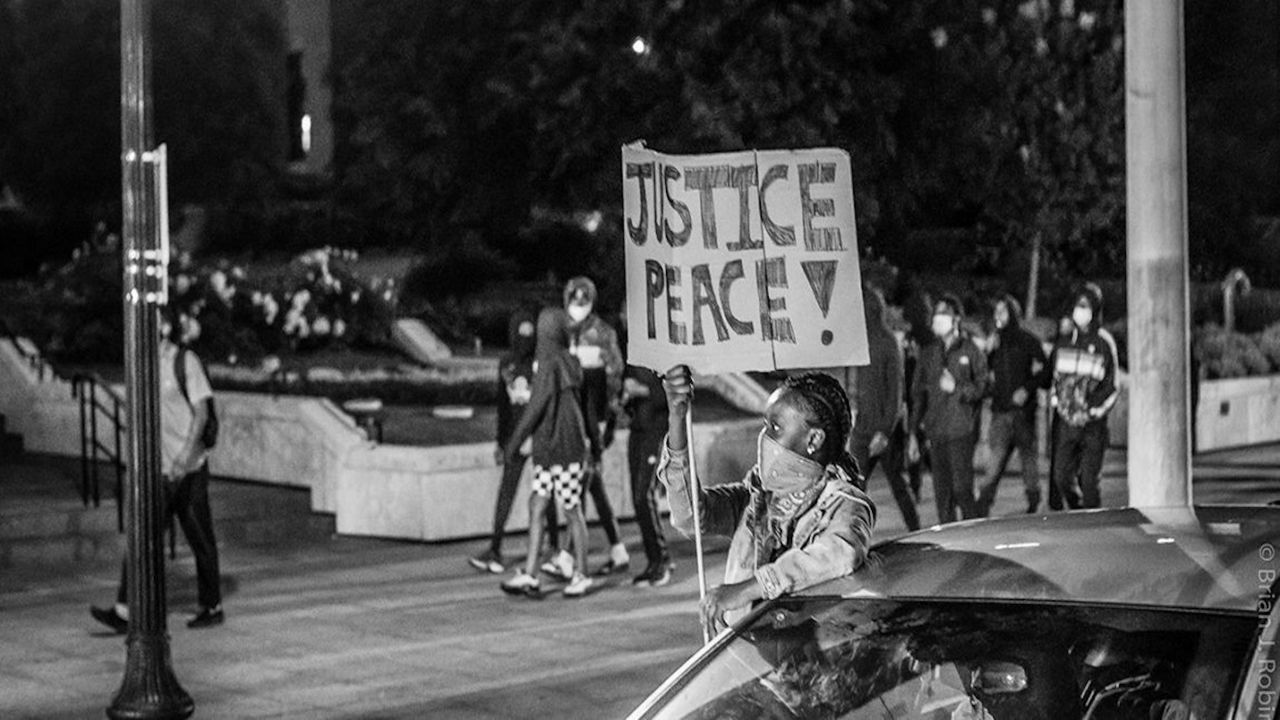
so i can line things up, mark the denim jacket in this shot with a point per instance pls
(826, 537)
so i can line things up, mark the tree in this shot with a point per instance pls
(221, 122)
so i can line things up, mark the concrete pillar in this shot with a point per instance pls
(1155, 149)
(149, 688)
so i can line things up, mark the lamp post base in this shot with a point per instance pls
(150, 690)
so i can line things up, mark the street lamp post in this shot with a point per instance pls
(149, 688)
(1156, 186)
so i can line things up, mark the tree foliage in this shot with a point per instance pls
(217, 92)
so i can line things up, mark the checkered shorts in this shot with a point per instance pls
(563, 480)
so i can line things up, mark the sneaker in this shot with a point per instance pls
(559, 566)
(619, 561)
(488, 561)
(656, 575)
(523, 584)
(578, 586)
(110, 618)
(207, 617)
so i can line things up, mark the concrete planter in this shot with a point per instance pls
(1238, 411)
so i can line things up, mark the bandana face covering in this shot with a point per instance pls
(783, 471)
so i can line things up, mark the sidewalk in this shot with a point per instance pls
(358, 628)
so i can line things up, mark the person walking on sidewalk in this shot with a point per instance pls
(798, 518)
(1084, 392)
(553, 418)
(515, 386)
(879, 431)
(1019, 369)
(595, 344)
(950, 382)
(187, 432)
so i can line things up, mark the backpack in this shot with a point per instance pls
(209, 434)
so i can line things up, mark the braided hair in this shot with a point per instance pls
(828, 408)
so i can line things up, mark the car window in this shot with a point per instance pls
(864, 659)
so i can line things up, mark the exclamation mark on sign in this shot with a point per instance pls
(822, 280)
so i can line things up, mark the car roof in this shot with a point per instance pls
(1207, 557)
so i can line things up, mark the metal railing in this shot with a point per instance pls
(101, 438)
(28, 353)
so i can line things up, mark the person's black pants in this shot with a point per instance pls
(604, 509)
(642, 460)
(1010, 430)
(188, 500)
(511, 472)
(894, 459)
(1077, 453)
(953, 477)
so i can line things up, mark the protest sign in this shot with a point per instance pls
(741, 261)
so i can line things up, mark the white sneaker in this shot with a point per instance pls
(560, 566)
(578, 586)
(618, 554)
(522, 584)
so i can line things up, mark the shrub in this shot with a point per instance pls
(1225, 354)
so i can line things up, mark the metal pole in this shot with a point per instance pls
(695, 497)
(1155, 150)
(149, 688)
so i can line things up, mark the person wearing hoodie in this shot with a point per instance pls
(553, 417)
(1019, 369)
(950, 382)
(798, 518)
(879, 431)
(595, 344)
(515, 386)
(1083, 393)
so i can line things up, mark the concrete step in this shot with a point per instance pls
(10, 443)
(43, 521)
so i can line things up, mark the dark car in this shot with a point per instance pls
(1153, 613)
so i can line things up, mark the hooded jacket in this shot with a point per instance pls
(595, 344)
(515, 376)
(553, 415)
(953, 415)
(826, 535)
(1084, 367)
(880, 383)
(1018, 361)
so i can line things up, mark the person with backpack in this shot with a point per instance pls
(188, 430)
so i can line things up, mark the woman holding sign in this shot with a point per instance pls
(798, 518)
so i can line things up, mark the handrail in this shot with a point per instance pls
(89, 389)
(34, 359)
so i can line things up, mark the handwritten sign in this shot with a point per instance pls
(742, 261)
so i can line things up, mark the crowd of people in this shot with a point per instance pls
(944, 377)
(915, 410)
(802, 514)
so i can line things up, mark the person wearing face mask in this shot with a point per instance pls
(1084, 390)
(1019, 369)
(595, 344)
(950, 382)
(798, 518)
(515, 386)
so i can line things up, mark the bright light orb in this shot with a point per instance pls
(639, 46)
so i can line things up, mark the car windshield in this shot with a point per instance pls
(861, 658)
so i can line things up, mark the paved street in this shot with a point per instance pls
(357, 628)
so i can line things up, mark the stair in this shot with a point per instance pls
(10, 443)
(43, 521)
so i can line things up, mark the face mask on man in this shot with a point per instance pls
(1082, 316)
(784, 471)
(578, 313)
(943, 325)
